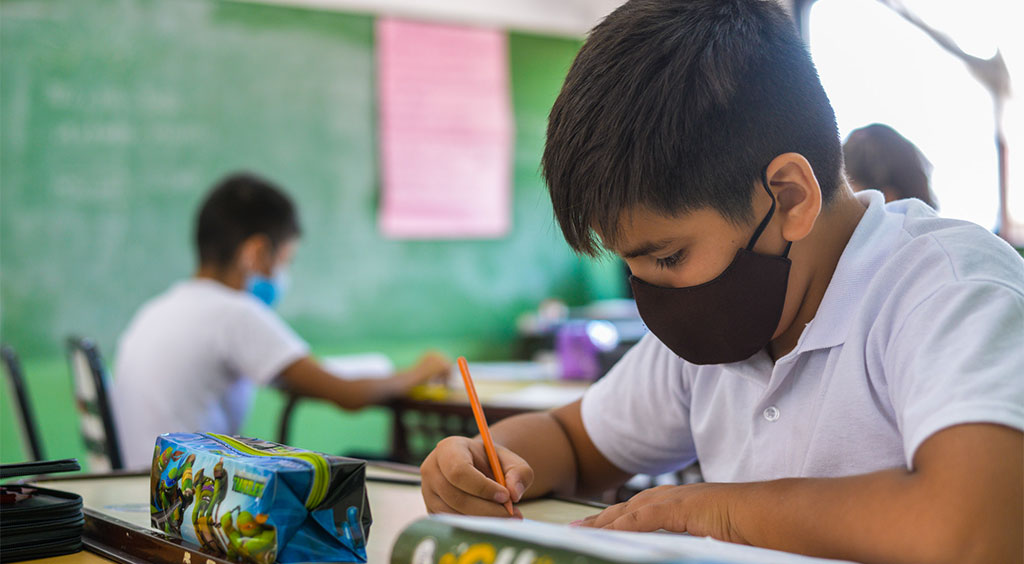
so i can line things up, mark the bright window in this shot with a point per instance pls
(877, 67)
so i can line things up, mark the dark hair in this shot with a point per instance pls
(877, 156)
(239, 206)
(677, 105)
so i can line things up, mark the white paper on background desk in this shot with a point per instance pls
(358, 366)
(537, 396)
(640, 548)
(513, 371)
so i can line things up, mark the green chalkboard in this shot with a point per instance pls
(117, 116)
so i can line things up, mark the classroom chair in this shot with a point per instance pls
(26, 418)
(285, 422)
(95, 414)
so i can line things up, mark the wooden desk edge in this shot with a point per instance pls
(109, 537)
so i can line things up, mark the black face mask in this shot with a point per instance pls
(727, 319)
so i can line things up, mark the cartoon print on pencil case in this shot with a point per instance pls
(174, 490)
(250, 539)
(211, 491)
(160, 462)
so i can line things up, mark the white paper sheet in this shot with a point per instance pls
(537, 396)
(513, 371)
(358, 366)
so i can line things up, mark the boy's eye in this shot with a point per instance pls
(671, 260)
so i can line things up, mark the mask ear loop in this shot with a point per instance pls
(768, 217)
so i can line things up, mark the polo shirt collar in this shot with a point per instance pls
(865, 253)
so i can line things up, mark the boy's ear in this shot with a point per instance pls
(254, 254)
(797, 192)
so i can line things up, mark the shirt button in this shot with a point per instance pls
(771, 413)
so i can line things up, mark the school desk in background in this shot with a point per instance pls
(349, 367)
(431, 413)
(559, 352)
(505, 389)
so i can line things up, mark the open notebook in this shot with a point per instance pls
(450, 538)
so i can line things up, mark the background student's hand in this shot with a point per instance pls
(698, 509)
(431, 367)
(456, 478)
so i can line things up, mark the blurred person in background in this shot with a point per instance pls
(879, 158)
(191, 357)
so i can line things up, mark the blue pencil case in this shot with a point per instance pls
(256, 501)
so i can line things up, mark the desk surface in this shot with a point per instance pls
(394, 506)
(535, 395)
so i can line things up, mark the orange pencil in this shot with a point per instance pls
(485, 433)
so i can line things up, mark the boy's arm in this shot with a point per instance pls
(963, 502)
(539, 453)
(307, 378)
(566, 461)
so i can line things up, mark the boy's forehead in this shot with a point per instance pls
(641, 231)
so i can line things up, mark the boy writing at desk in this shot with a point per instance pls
(191, 356)
(849, 374)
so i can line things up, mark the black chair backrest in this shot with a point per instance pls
(95, 414)
(29, 431)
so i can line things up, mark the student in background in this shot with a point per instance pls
(877, 157)
(190, 358)
(848, 373)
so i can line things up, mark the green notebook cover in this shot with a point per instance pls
(458, 539)
(462, 540)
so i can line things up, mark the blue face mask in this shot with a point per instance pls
(268, 290)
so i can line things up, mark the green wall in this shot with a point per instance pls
(117, 116)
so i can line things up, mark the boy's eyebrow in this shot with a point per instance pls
(647, 248)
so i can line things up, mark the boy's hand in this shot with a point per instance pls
(698, 509)
(431, 367)
(456, 478)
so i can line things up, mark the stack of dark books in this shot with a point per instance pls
(38, 522)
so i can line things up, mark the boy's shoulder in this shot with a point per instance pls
(913, 267)
(202, 300)
(936, 251)
(904, 260)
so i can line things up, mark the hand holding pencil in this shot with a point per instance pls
(485, 432)
(457, 476)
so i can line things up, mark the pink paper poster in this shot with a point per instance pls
(445, 131)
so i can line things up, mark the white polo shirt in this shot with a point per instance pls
(189, 361)
(921, 328)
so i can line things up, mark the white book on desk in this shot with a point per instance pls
(358, 366)
(507, 371)
(538, 396)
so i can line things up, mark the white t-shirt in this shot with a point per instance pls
(189, 361)
(921, 328)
